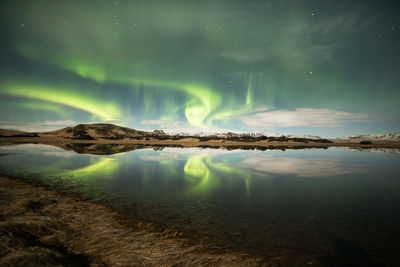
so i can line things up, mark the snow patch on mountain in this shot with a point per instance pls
(225, 132)
(374, 137)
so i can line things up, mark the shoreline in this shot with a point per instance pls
(39, 225)
(191, 142)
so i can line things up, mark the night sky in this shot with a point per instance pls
(328, 68)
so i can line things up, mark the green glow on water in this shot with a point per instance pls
(102, 168)
(206, 175)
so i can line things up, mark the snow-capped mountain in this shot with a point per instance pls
(307, 136)
(374, 137)
(230, 133)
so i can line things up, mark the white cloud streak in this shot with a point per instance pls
(301, 117)
(158, 122)
(40, 126)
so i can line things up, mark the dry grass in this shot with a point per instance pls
(42, 227)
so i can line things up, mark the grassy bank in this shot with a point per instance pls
(41, 227)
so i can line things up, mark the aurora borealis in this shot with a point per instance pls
(328, 68)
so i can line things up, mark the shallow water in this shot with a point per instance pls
(340, 206)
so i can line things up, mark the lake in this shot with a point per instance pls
(340, 205)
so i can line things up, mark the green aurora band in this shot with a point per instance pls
(201, 103)
(103, 110)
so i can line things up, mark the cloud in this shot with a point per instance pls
(294, 43)
(246, 55)
(198, 131)
(64, 122)
(37, 126)
(158, 122)
(301, 117)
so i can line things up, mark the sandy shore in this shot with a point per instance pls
(42, 227)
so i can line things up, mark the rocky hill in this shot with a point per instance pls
(14, 133)
(98, 131)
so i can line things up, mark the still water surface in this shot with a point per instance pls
(340, 205)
